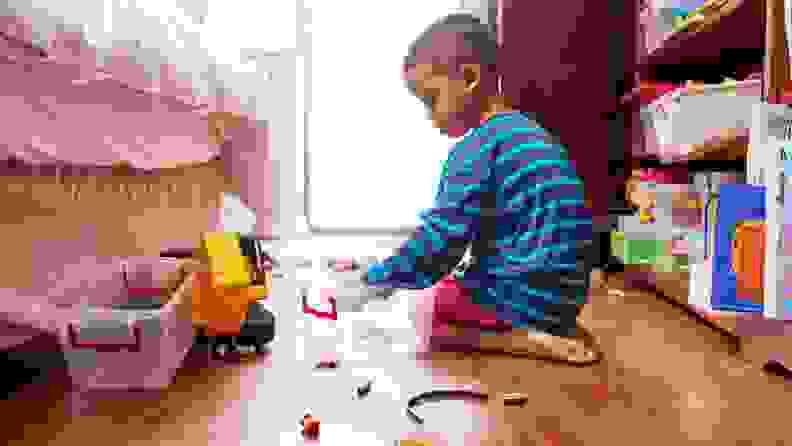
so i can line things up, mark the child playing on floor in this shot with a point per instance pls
(508, 191)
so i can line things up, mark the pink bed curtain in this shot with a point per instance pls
(68, 108)
(63, 112)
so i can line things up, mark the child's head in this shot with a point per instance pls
(451, 69)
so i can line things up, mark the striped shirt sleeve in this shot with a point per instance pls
(439, 243)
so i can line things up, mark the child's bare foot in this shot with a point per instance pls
(526, 342)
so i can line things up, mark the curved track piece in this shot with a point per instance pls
(511, 399)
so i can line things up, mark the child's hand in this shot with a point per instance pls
(347, 264)
(349, 289)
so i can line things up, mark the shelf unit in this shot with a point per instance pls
(734, 36)
(743, 35)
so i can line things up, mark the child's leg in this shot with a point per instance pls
(457, 317)
(453, 304)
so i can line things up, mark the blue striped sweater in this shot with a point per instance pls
(510, 193)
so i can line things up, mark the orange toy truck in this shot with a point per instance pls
(234, 281)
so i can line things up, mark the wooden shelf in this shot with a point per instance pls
(692, 166)
(725, 153)
(673, 288)
(731, 146)
(733, 36)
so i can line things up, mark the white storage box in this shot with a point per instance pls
(685, 117)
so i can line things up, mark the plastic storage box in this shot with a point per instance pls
(134, 336)
(690, 116)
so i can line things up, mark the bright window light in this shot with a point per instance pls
(374, 158)
(234, 25)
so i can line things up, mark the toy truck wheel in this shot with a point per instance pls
(258, 329)
(222, 346)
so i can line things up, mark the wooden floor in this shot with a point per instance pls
(666, 380)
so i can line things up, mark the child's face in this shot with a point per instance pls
(451, 102)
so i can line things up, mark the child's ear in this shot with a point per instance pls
(472, 76)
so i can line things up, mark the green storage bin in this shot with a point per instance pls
(681, 264)
(617, 245)
(664, 264)
(643, 252)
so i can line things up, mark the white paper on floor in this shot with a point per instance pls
(383, 326)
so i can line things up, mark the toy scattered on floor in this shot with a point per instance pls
(776, 368)
(307, 309)
(509, 399)
(514, 399)
(310, 426)
(327, 364)
(364, 390)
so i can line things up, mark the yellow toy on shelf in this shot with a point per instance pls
(646, 216)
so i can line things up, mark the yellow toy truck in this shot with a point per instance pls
(228, 304)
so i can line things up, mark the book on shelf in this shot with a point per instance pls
(740, 211)
(768, 165)
(708, 185)
(701, 244)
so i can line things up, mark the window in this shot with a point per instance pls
(373, 157)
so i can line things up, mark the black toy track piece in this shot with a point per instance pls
(222, 346)
(364, 390)
(778, 369)
(458, 394)
(439, 395)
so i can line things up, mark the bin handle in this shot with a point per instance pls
(135, 347)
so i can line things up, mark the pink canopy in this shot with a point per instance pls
(64, 112)
(60, 107)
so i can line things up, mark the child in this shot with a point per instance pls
(507, 190)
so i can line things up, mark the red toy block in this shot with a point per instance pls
(310, 426)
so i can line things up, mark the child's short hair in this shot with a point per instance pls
(453, 40)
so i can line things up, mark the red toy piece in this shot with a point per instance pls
(310, 426)
(600, 392)
(327, 364)
(307, 309)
